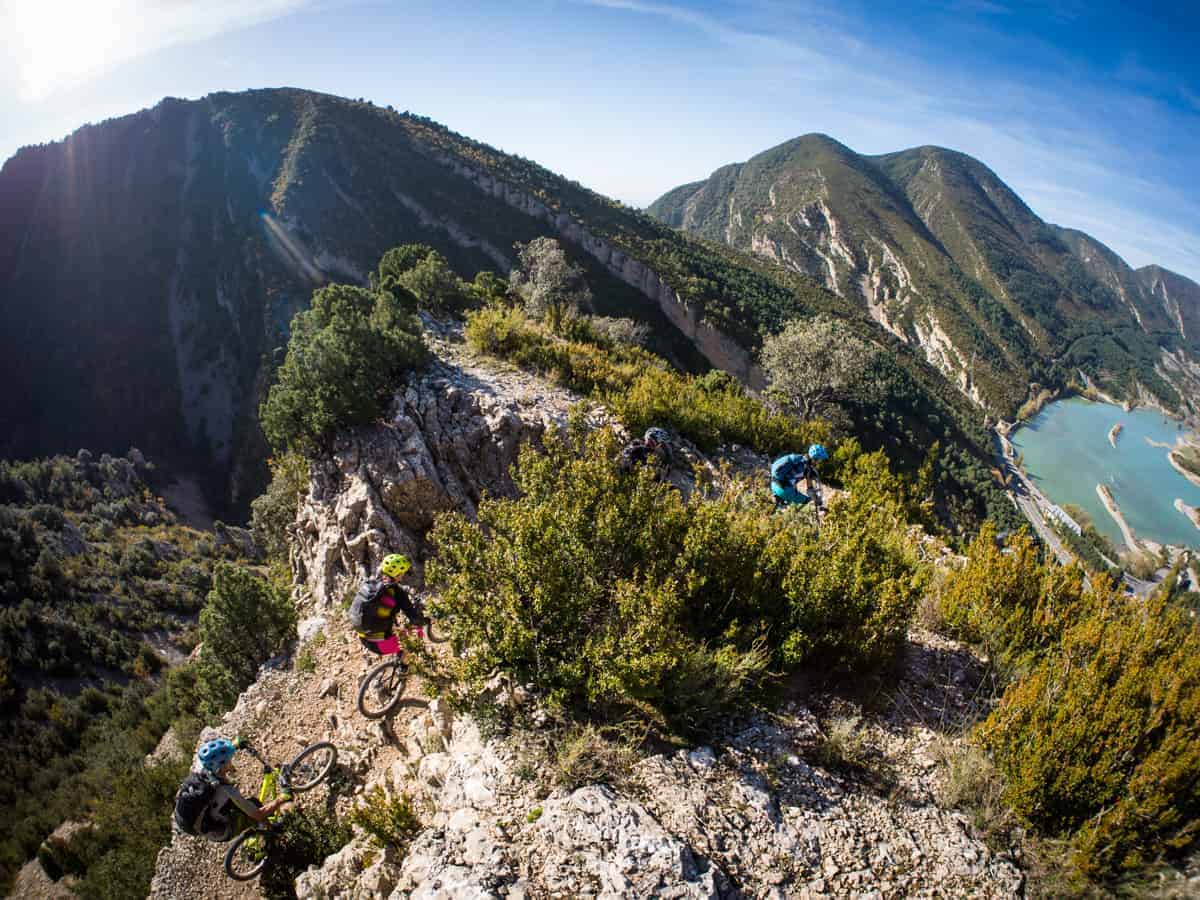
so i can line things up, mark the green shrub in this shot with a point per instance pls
(344, 359)
(1098, 733)
(390, 821)
(305, 839)
(273, 513)
(246, 621)
(132, 823)
(613, 595)
(436, 287)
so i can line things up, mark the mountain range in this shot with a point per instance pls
(945, 255)
(150, 266)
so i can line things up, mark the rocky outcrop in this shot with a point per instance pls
(753, 816)
(451, 438)
(32, 883)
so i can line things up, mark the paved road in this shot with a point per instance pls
(1029, 500)
(1033, 513)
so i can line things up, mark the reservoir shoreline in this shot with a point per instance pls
(1192, 512)
(1194, 479)
(1110, 504)
(1075, 444)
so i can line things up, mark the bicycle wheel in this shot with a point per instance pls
(382, 688)
(247, 854)
(311, 766)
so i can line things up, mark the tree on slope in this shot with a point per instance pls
(246, 621)
(814, 365)
(345, 356)
(552, 287)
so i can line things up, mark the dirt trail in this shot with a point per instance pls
(281, 714)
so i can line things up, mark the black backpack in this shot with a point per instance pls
(192, 801)
(367, 614)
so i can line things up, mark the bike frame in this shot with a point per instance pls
(272, 779)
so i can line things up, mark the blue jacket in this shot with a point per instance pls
(788, 469)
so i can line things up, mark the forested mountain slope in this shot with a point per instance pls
(150, 266)
(945, 255)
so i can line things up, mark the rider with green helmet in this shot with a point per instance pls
(788, 471)
(653, 448)
(373, 612)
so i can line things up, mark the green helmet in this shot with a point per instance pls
(394, 565)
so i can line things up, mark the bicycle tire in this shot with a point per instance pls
(384, 683)
(255, 857)
(300, 778)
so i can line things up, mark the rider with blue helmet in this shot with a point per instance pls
(788, 471)
(208, 803)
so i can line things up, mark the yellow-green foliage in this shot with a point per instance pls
(1099, 740)
(613, 594)
(1010, 601)
(641, 388)
(390, 821)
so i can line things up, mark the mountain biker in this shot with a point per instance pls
(654, 448)
(208, 803)
(788, 471)
(374, 609)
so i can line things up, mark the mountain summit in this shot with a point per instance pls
(945, 255)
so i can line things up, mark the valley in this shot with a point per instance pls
(361, 333)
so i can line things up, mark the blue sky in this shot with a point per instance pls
(1089, 110)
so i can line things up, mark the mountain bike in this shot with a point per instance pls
(818, 503)
(383, 685)
(249, 851)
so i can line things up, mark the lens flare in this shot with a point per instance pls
(290, 251)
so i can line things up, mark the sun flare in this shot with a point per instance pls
(57, 42)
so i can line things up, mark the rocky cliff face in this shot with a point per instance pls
(149, 265)
(761, 812)
(1179, 296)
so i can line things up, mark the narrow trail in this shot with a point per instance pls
(283, 712)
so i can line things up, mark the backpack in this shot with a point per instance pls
(367, 614)
(787, 469)
(192, 801)
(639, 452)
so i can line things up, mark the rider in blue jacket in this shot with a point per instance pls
(788, 471)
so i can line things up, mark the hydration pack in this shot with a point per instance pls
(787, 469)
(368, 613)
(192, 801)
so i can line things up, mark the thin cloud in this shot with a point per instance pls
(53, 44)
(1054, 130)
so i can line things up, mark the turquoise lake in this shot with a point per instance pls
(1067, 453)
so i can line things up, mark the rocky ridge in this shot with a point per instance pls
(763, 811)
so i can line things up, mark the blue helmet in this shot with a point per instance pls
(212, 755)
(817, 453)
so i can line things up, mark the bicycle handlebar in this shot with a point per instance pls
(243, 744)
